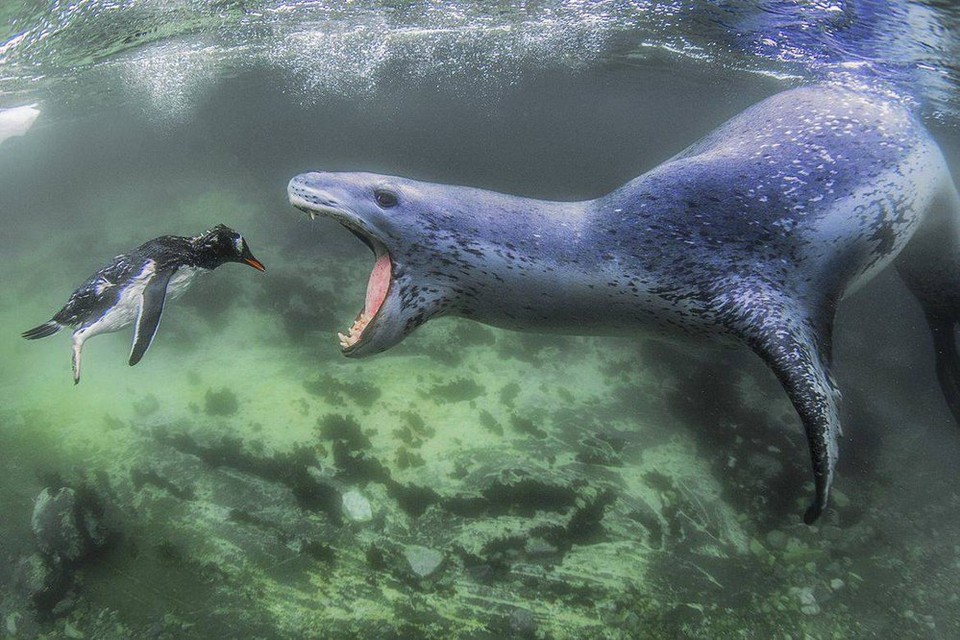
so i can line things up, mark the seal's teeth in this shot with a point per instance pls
(356, 330)
(312, 214)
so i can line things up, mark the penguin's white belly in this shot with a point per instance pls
(181, 281)
(127, 308)
(125, 311)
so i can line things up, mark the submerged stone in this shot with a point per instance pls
(808, 602)
(356, 507)
(423, 562)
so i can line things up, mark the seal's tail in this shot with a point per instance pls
(44, 330)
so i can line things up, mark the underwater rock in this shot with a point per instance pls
(356, 507)
(70, 525)
(56, 526)
(808, 602)
(422, 561)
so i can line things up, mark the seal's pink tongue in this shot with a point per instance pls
(377, 286)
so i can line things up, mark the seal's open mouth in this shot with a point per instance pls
(378, 284)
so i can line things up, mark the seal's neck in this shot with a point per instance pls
(535, 264)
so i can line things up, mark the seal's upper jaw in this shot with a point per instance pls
(360, 340)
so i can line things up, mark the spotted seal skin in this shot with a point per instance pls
(753, 234)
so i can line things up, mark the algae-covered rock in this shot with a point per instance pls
(56, 525)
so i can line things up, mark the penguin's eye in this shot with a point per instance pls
(386, 199)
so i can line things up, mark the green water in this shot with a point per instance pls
(520, 485)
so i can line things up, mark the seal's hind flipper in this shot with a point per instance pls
(804, 375)
(797, 347)
(151, 309)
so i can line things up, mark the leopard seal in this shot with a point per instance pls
(754, 234)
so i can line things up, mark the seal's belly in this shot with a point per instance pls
(614, 304)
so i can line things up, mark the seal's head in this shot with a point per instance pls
(397, 219)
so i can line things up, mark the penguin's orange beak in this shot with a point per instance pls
(256, 264)
(247, 257)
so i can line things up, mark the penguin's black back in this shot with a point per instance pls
(102, 290)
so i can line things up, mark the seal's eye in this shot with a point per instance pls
(385, 199)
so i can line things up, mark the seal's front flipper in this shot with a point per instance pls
(151, 309)
(930, 267)
(947, 358)
(797, 348)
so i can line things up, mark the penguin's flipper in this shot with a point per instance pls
(151, 308)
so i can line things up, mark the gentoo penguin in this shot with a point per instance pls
(134, 286)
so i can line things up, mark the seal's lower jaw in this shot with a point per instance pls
(366, 322)
(356, 343)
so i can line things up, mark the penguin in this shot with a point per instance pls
(134, 287)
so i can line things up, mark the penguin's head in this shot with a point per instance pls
(222, 244)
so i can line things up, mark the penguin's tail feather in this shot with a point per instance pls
(44, 330)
